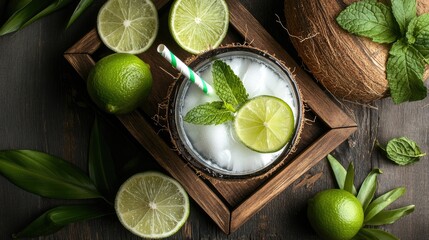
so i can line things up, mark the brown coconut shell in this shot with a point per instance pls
(350, 67)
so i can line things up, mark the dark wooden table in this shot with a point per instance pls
(42, 109)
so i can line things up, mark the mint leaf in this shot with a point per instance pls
(418, 34)
(209, 113)
(227, 85)
(404, 70)
(403, 151)
(370, 19)
(404, 11)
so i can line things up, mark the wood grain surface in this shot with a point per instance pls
(43, 109)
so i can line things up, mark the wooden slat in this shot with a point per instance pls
(88, 44)
(81, 62)
(288, 175)
(251, 29)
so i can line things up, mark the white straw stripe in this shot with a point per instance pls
(184, 69)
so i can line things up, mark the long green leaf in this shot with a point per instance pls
(80, 8)
(380, 203)
(390, 216)
(54, 6)
(349, 182)
(46, 175)
(58, 217)
(101, 168)
(339, 172)
(14, 6)
(367, 190)
(21, 16)
(374, 234)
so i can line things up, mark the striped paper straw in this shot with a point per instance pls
(185, 70)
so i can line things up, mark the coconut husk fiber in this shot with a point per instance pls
(350, 67)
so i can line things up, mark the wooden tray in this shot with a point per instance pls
(229, 203)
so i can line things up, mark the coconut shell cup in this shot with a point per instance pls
(350, 67)
(203, 168)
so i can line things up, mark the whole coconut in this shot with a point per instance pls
(350, 67)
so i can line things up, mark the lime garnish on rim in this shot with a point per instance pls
(152, 205)
(128, 26)
(264, 124)
(198, 25)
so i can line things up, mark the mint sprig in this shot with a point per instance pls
(404, 11)
(405, 69)
(212, 113)
(227, 85)
(418, 35)
(229, 88)
(370, 19)
(402, 151)
(409, 34)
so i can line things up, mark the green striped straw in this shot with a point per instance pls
(185, 70)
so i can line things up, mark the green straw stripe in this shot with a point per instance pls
(205, 89)
(173, 60)
(191, 75)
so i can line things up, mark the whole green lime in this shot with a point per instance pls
(119, 83)
(335, 214)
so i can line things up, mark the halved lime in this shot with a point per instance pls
(199, 25)
(128, 26)
(152, 205)
(264, 124)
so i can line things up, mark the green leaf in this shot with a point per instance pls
(14, 6)
(349, 182)
(418, 35)
(339, 172)
(405, 68)
(21, 16)
(370, 19)
(404, 11)
(209, 113)
(227, 85)
(46, 175)
(100, 163)
(380, 203)
(403, 151)
(367, 190)
(58, 217)
(374, 234)
(54, 6)
(390, 216)
(80, 8)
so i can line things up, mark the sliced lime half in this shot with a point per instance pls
(199, 25)
(264, 124)
(152, 205)
(128, 26)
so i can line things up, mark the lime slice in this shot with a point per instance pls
(128, 26)
(152, 205)
(198, 25)
(264, 124)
